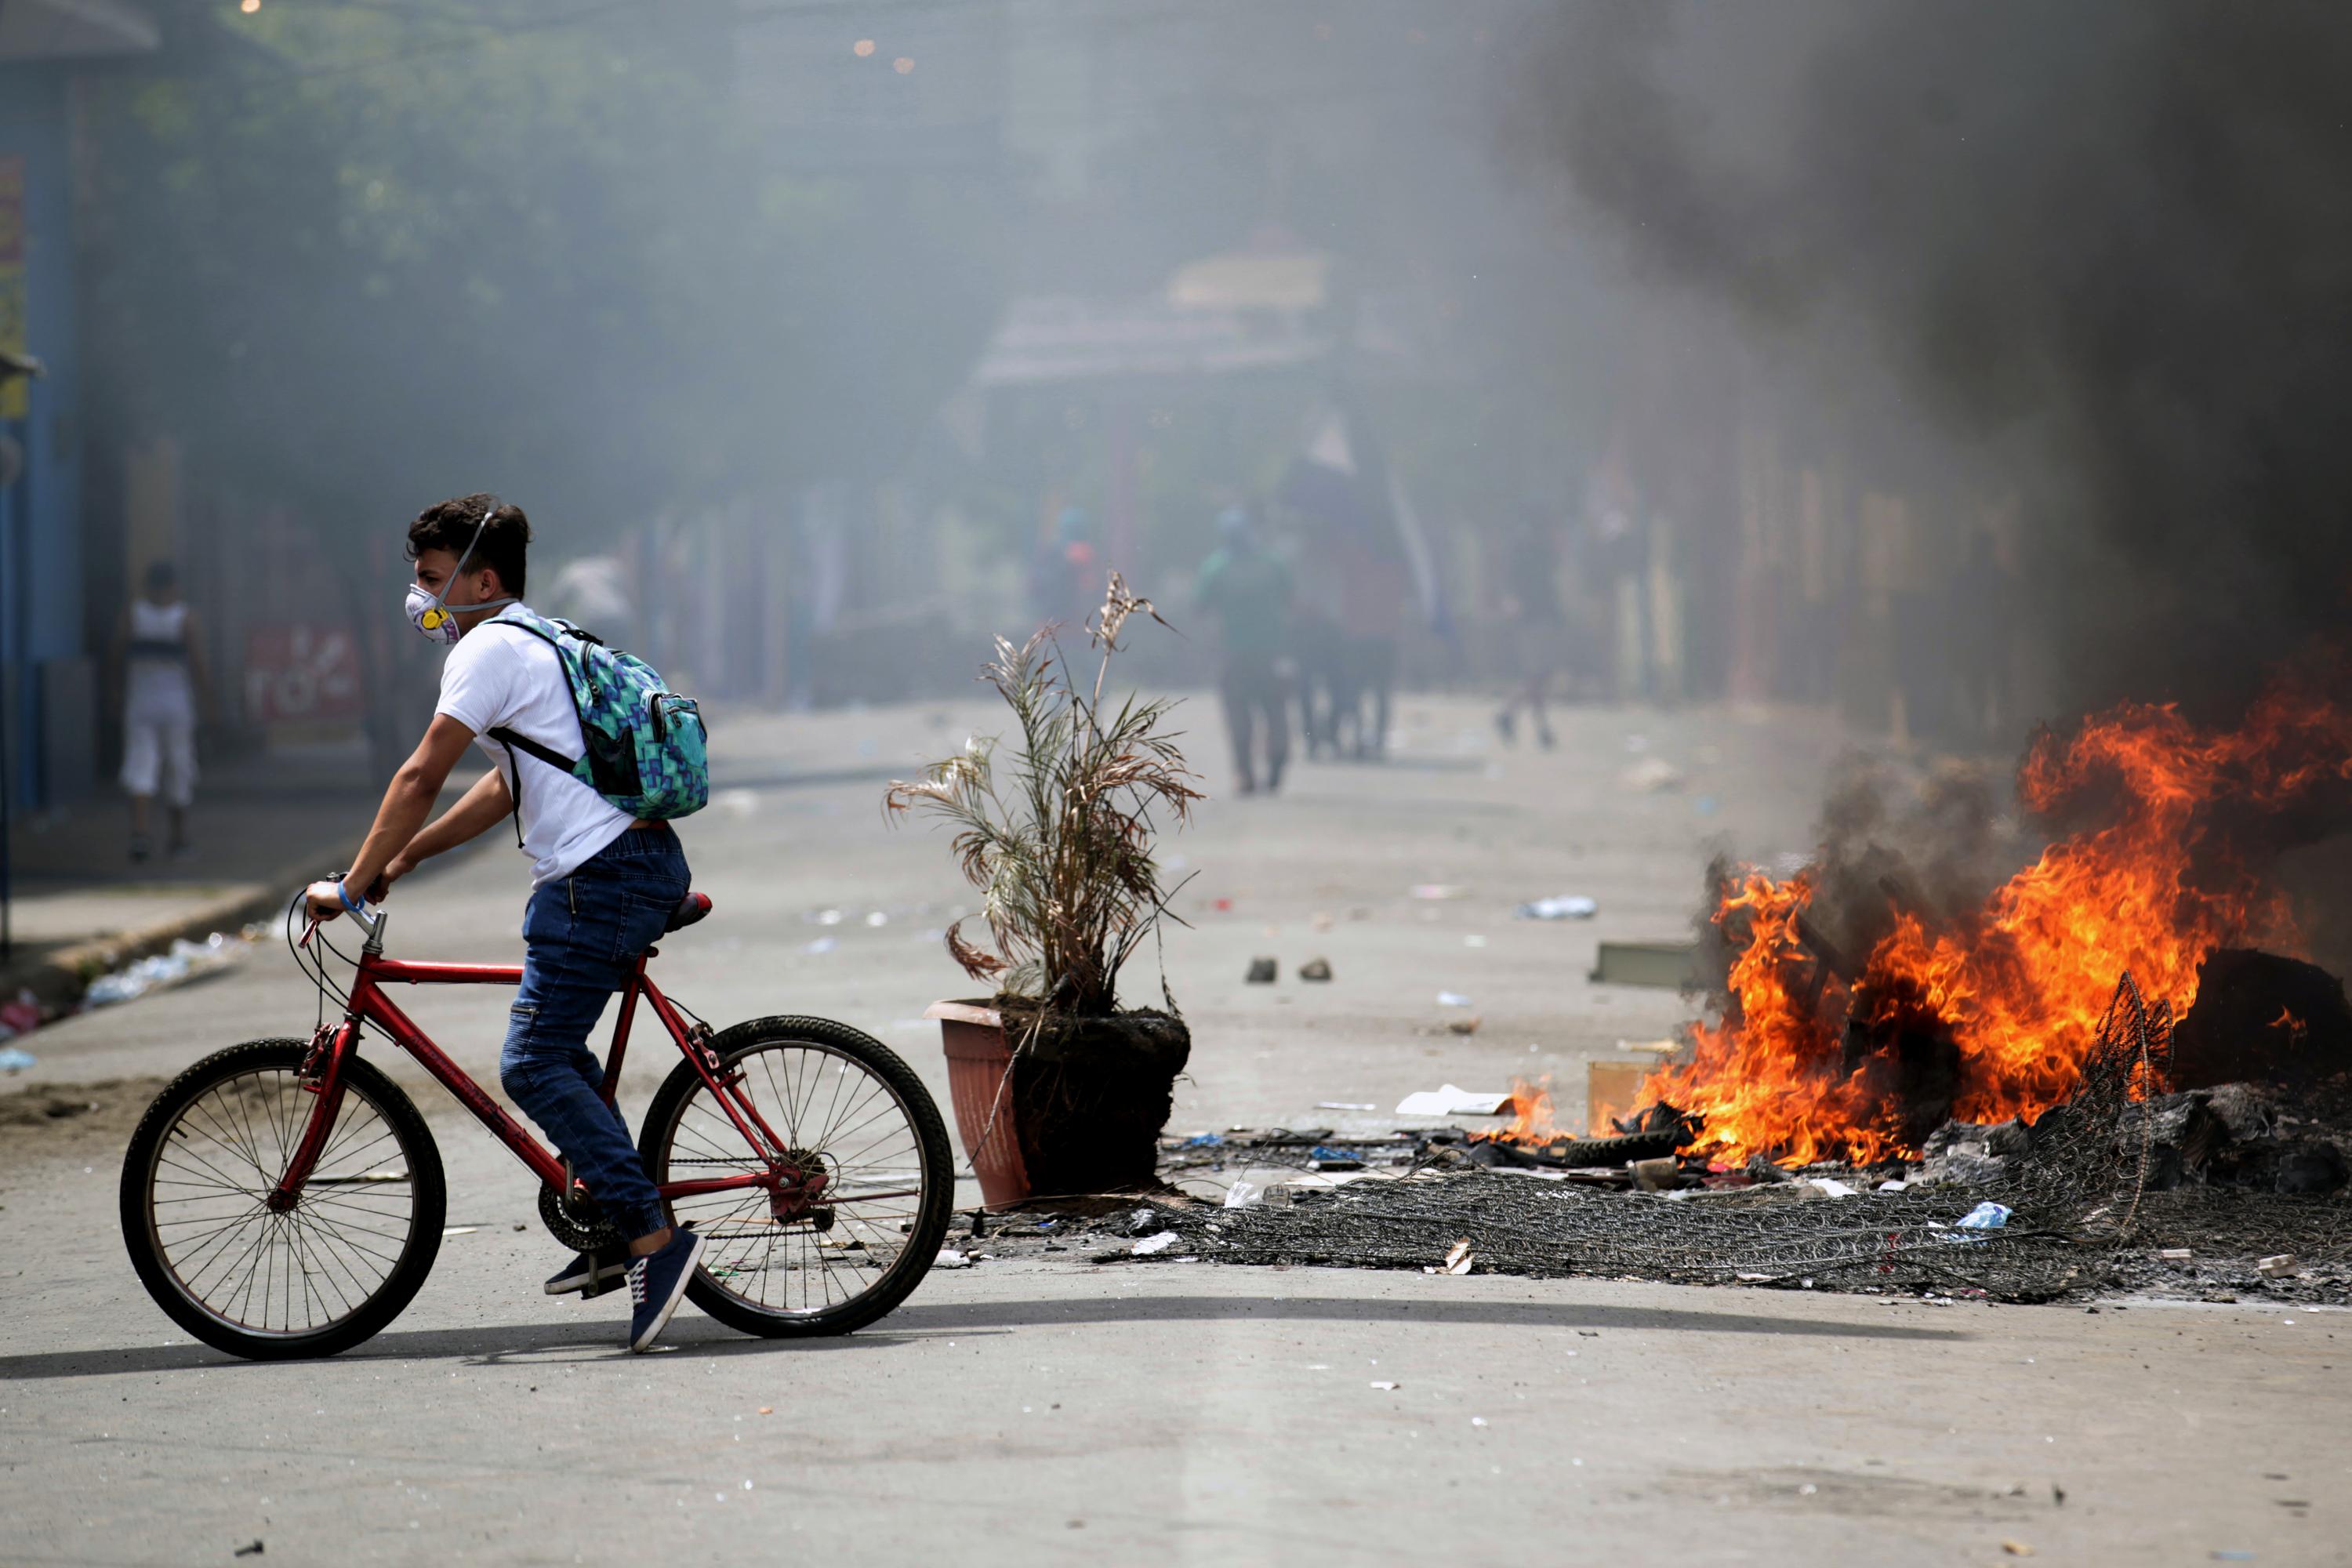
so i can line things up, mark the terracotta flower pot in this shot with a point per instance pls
(979, 1059)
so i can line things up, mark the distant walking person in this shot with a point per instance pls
(160, 664)
(1539, 625)
(1247, 587)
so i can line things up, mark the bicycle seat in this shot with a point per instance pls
(690, 909)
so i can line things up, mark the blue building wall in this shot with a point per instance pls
(41, 624)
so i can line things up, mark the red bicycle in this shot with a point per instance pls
(284, 1198)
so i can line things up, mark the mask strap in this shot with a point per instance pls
(468, 554)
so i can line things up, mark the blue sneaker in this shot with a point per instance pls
(657, 1284)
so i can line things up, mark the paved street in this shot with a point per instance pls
(1060, 1410)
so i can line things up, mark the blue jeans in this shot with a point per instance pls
(582, 937)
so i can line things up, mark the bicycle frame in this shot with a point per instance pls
(790, 1192)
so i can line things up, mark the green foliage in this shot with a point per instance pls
(370, 255)
(1064, 858)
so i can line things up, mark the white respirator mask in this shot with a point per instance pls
(427, 612)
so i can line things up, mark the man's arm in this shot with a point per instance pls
(406, 804)
(200, 675)
(481, 807)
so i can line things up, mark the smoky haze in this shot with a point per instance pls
(2106, 248)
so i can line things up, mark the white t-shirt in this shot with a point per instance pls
(501, 677)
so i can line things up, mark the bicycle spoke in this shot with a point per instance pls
(826, 1104)
(261, 1271)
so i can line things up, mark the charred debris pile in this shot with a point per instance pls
(2228, 1190)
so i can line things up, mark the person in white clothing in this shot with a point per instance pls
(160, 683)
(604, 884)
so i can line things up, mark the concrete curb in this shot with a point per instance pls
(58, 979)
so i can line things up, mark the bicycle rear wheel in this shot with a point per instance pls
(317, 1279)
(839, 1098)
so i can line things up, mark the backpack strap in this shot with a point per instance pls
(519, 745)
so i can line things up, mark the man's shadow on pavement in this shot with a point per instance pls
(523, 1344)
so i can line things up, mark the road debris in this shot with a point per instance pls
(1316, 969)
(1263, 972)
(1451, 1101)
(1564, 907)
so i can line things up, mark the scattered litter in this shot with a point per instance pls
(1151, 1244)
(1452, 999)
(822, 945)
(2278, 1265)
(1986, 1216)
(1652, 775)
(1451, 1101)
(1830, 1187)
(450, 1230)
(2176, 1255)
(1262, 971)
(1439, 891)
(1459, 1259)
(1655, 1048)
(1565, 907)
(2017, 1549)
(1468, 1025)
(822, 916)
(1892, 1186)
(1659, 1175)
(21, 1016)
(15, 1060)
(1315, 969)
(1203, 1141)
(1391, 1387)
(184, 962)
(876, 918)
(251, 1549)
(948, 1258)
(1241, 1194)
(1326, 1158)
(1345, 1105)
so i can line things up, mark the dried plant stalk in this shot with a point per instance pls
(1063, 852)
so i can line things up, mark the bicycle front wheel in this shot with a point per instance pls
(843, 1101)
(319, 1277)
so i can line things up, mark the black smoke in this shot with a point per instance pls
(2105, 245)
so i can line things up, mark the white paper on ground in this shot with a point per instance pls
(1452, 1101)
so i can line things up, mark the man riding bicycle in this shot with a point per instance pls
(604, 884)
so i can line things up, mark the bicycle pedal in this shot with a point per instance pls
(597, 1287)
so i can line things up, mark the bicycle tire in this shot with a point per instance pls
(923, 1230)
(381, 1302)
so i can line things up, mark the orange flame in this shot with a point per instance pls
(2017, 987)
(1532, 1114)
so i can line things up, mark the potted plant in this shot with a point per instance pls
(1058, 1090)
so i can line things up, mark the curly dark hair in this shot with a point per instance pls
(449, 525)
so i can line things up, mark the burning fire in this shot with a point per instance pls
(2012, 993)
(1532, 1114)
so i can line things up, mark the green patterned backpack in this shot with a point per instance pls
(642, 748)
